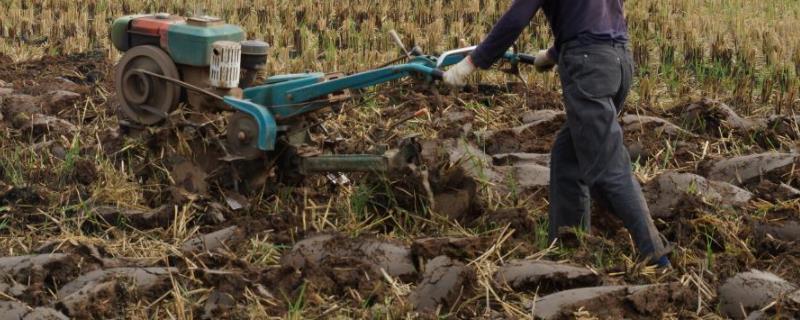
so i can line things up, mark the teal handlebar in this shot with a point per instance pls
(284, 97)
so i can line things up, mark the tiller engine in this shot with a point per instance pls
(209, 65)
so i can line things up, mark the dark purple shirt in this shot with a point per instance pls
(589, 21)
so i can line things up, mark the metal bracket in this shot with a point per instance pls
(268, 128)
(389, 161)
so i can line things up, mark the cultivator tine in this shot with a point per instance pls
(154, 111)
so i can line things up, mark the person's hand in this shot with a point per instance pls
(457, 75)
(544, 62)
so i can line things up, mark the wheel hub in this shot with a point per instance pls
(137, 86)
(242, 136)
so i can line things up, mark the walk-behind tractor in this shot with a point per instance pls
(210, 66)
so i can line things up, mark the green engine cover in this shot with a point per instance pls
(191, 45)
(119, 32)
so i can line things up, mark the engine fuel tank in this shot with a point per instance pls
(188, 41)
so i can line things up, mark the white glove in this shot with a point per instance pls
(544, 62)
(457, 75)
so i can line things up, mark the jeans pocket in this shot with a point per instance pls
(597, 73)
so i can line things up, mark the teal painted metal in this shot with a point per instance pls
(285, 96)
(268, 128)
(356, 81)
(453, 59)
(274, 96)
(191, 45)
(289, 77)
(119, 33)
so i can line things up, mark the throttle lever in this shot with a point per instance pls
(399, 43)
(514, 66)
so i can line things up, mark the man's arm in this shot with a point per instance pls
(505, 32)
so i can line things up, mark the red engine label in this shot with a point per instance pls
(155, 27)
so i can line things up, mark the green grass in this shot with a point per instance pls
(542, 234)
(709, 252)
(297, 306)
(12, 169)
(361, 200)
(68, 167)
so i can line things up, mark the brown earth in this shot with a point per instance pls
(99, 216)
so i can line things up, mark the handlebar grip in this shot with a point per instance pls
(526, 58)
(437, 74)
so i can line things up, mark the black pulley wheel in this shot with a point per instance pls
(242, 136)
(142, 98)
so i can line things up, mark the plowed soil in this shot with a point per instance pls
(103, 218)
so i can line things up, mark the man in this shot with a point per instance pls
(596, 72)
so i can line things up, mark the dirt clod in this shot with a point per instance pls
(23, 265)
(776, 192)
(43, 313)
(395, 259)
(58, 99)
(531, 176)
(84, 172)
(454, 204)
(40, 124)
(544, 276)
(80, 297)
(443, 282)
(745, 169)
(512, 159)
(788, 231)
(139, 219)
(471, 158)
(14, 310)
(212, 242)
(455, 248)
(12, 288)
(711, 117)
(671, 190)
(535, 136)
(31, 276)
(14, 104)
(539, 116)
(752, 290)
(635, 124)
(375, 254)
(456, 124)
(218, 305)
(525, 173)
(190, 177)
(236, 201)
(308, 250)
(616, 302)
(518, 219)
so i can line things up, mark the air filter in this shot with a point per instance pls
(226, 57)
